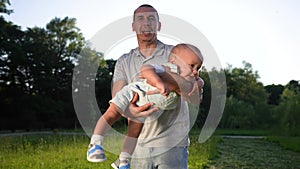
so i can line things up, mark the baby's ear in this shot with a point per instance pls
(172, 59)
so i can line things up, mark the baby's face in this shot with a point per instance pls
(188, 63)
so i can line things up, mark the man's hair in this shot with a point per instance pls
(146, 6)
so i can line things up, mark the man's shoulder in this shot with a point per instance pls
(135, 52)
(165, 46)
(131, 53)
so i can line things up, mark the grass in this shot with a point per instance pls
(200, 154)
(289, 143)
(37, 152)
(242, 132)
(254, 154)
(69, 152)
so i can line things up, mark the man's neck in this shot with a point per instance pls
(147, 48)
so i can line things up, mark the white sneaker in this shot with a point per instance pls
(95, 153)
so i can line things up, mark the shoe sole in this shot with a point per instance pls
(113, 165)
(96, 160)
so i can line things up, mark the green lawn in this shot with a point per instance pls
(54, 151)
(290, 143)
(65, 151)
(242, 132)
(254, 154)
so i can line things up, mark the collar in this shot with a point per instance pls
(157, 52)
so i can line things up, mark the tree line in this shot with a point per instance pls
(37, 69)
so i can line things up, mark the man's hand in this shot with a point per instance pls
(140, 111)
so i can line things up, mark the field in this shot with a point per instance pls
(56, 151)
(69, 151)
(254, 154)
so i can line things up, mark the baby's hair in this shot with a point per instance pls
(188, 46)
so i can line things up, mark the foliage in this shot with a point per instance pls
(103, 84)
(213, 91)
(37, 67)
(246, 104)
(3, 8)
(237, 114)
(274, 92)
(52, 53)
(205, 104)
(44, 70)
(85, 77)
(243, 84)
(287, 112)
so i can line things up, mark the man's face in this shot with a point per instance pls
(146, 24)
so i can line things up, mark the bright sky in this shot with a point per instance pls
(264, 33)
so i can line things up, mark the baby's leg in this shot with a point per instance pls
(134, 129)
(107, 120)
(95, 151)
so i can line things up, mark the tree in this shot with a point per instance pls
(87, 72)
(37, 65)
(214, 93)
(287, 113)
(103, 84)
(51, 54)
(274, 92)
(11, 74)
(243, 84)
(3, 7)
(244, 88)
(238, 114)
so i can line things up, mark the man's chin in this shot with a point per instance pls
(148, 38)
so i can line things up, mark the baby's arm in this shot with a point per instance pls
(167, 81)
(189, 87)
(148, 73)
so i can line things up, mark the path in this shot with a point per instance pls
(252, 153)
(39, 133)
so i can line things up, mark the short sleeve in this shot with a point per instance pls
(158, 68)
(119, 74)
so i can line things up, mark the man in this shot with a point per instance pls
(164, 139)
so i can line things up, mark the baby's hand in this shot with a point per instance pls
(164, 89)
(199, 83)
(160, 88)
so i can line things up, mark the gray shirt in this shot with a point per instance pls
(163, 129)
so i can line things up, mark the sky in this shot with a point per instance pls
(264, 33)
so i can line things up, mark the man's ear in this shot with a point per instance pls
(132, 26)
(158, 26)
